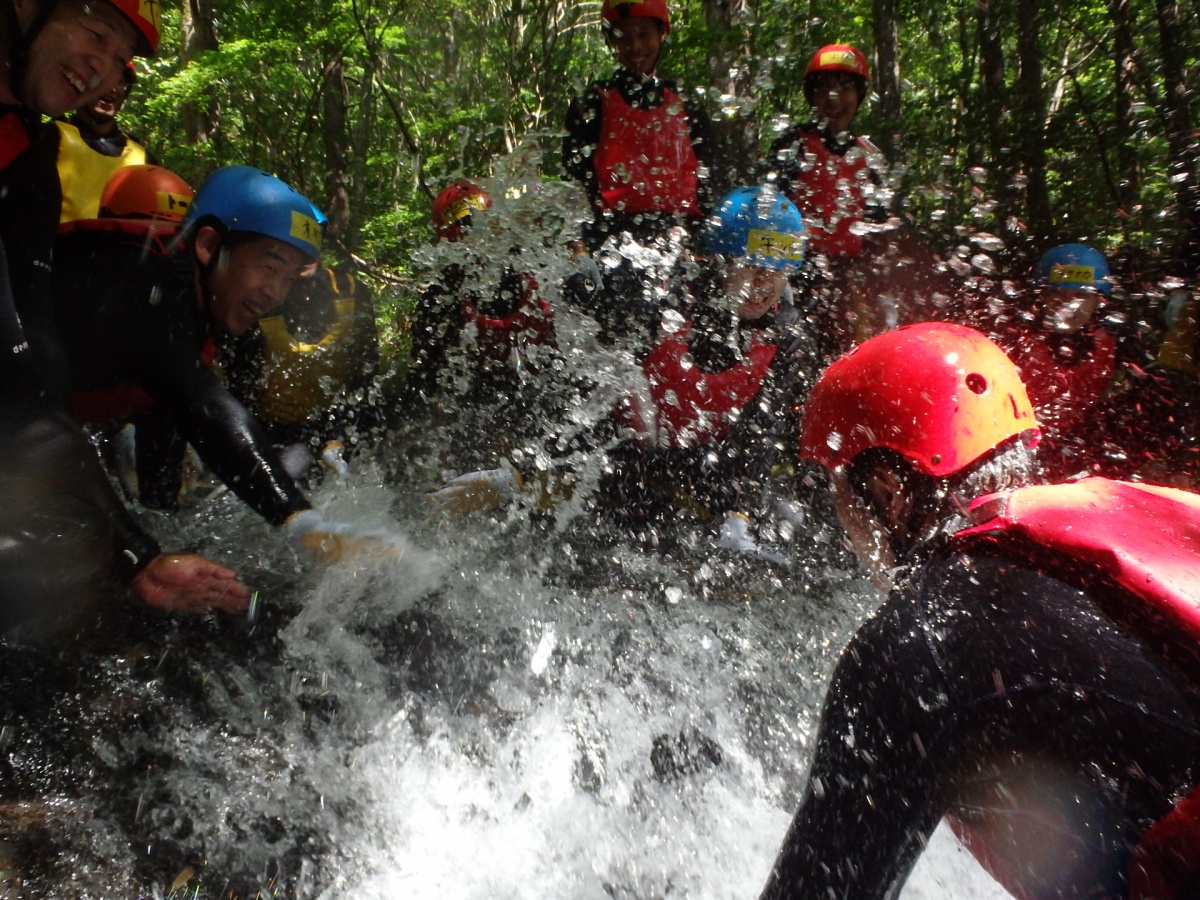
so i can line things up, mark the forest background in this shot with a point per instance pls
(1009, 123)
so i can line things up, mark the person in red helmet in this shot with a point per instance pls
(91, 147)
(66, 535)
(833, 177)
(1032, 673)
(501, 328)
(642, 150)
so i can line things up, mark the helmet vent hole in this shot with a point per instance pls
(977, 383)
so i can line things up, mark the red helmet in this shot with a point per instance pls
(616, 10)
(145, 192)
(940, 395)
(146, 18)
(454, 204)
(839, 58)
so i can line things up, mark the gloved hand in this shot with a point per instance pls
(327, 541)
(736, 535)
(332, 460)
(476, 492)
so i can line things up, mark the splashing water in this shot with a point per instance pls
(521, 705)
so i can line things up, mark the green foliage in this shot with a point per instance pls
(439, 91)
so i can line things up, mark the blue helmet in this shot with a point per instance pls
(760, 226)
(1073, 266)
(243, 198)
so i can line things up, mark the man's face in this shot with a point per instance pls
(77, 57)
(638, 42)
(836, 99)
(250, 279)
(753, 291)
(104, 110)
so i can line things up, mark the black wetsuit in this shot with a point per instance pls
(629, 304)
(63, 531)
(129, 316)
(983, 680)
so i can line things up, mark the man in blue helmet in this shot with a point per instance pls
(64, 535)
(139, 314)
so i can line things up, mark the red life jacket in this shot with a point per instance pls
(500, 342)
(691, 407)
(14, 138)
(645, 161)
(830, 190)
(1061, 393)
(124, 400)
(1145, 539)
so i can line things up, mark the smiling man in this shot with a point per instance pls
(91, 147)
(138, 311)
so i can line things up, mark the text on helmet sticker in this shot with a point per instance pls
(462, 208)
(149, 10)
(305, 228)
(775, 244)
(1062, 273)
(839, 58)
(170, 204)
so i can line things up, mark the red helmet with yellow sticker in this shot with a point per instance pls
(146, 18)
(453, 206)
(616, 10)
(145, 192)
(836, 58)
(940, 395)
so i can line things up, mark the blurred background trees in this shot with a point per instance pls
(1026, 120)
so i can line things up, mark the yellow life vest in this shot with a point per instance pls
(1178, 350)
(301, 378)
(83, 172)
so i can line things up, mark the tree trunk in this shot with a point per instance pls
(1181, 150)
(735, 129)
(334, 136)
(1129, 176)
(887, 75)
(1031, 134)
(198, 37)
(993, 99)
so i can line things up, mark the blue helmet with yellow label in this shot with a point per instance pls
(246, 199)
(1075, 266)
(758, 226)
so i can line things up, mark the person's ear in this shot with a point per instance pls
(206, 244)
(889, 496)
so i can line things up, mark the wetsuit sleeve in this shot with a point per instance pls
(30, 206)
(242, 364)
(229, 439)
(582, 138)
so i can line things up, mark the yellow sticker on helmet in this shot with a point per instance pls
(775, 244)
(305, 228)
(149, 10)
(173, 205)
(1062, 273)
(839, 58)
(463, 207)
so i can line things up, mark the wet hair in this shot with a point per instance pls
(937, 506)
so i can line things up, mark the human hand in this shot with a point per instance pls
(476, 492)
(736, 535)
(189, 583)
(329, 541)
